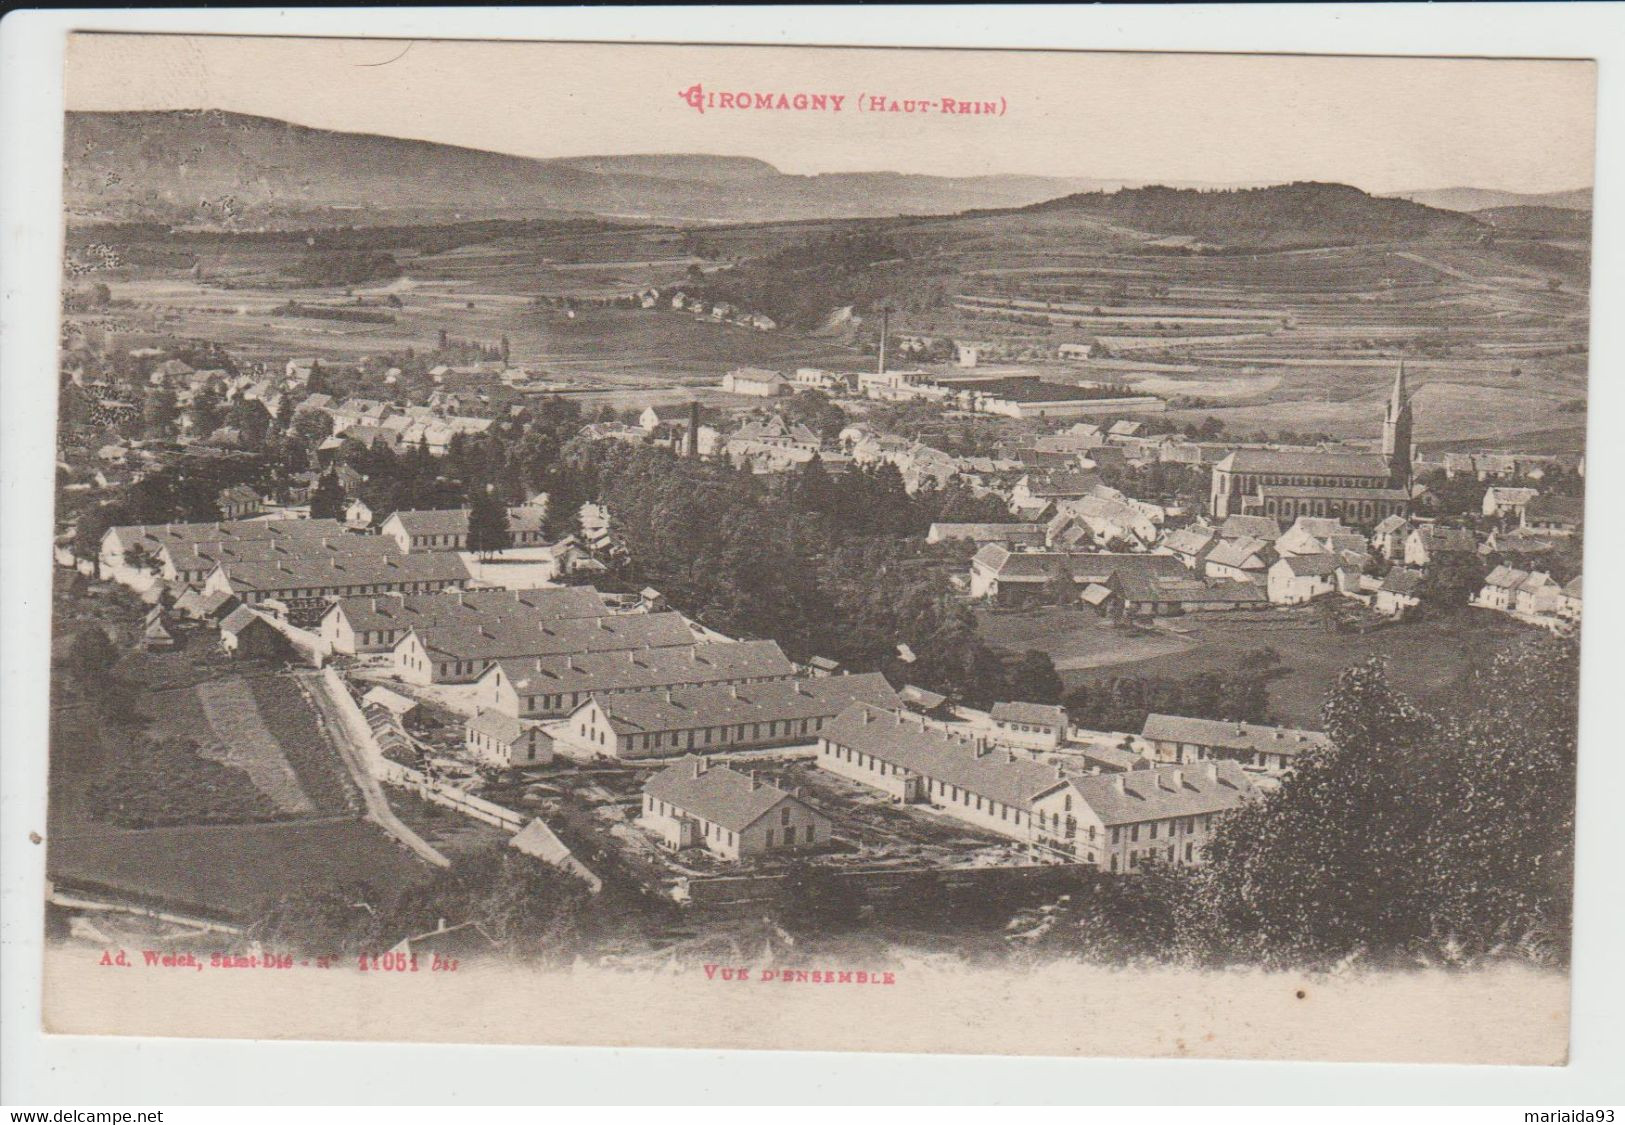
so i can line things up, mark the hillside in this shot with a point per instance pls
(1283, 216)
(198, 166)
(1482, 199)
(1551, 222)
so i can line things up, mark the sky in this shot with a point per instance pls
(1382, 124)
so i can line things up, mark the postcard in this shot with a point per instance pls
(810, 548)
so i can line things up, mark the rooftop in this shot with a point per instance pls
(634, 669)
(1130, 798)
(716, 793)
(907, 741)
(1247, 737)
(730, 704)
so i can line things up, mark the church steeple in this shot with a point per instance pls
(1396, 432)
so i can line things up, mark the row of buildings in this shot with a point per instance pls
(1115, 820)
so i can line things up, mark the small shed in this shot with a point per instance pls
(537, 839)
(245, 633)
(392, 701)
(503, 740)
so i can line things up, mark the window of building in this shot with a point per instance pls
(770, 837)
(784, 816)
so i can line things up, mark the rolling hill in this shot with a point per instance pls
(186, 166)
(1278, 217)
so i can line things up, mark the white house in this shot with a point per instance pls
(1033, 726)
(730, 813)
(1301, 578)
(502, 740)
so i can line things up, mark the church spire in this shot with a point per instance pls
(1396, 432)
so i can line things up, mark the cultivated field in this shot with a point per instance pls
(1424, 657)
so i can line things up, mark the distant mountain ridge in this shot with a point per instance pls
(1484, 199)
(183, 165)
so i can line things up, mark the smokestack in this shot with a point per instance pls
(691, 440)
(885, 321)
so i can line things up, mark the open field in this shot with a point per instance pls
(1075, 638)
(1425, 657)
(231, 870)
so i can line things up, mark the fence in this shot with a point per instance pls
(443, 793)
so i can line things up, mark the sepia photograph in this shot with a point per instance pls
(1046, 552)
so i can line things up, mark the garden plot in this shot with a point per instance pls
(246, 743)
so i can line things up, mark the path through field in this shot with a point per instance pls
(246, 744)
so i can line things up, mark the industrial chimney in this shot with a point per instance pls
(691, 440)
(885, 321)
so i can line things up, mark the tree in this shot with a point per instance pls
(1450, 581)
(158, 413)
(487, 523)
(92, 655)
(312, 426)
(321, 919)
(1033, 678)
(327, 498)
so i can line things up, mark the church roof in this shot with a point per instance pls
(1305, 463)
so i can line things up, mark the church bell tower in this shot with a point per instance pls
(1396, 433)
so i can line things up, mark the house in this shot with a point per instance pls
(1313, 535)
(446, 529)
(1427, 543)
(538, 840)
(1242, 558)
(358, 515)
(714, 717)
(249, 634)
(1297, 579)
(916, 761)
(1500, 588)
(504, 741)
(1553, 515)
(756, 382)
(1388, 537)
(1190, 545)
(1004, 534)
(1398, 592)
(239, 502)
(1121, 822)
(155, 636)
(1014, 578)
(822, 380)
(680, 414)
(1177, 740)
(1124, 428)
(1267, 528)
(1503, 500)
(394, 702)
(550, 686)
(923, 702)
(732, 814)
(1032, 726)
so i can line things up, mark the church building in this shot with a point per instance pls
(1358, 488)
